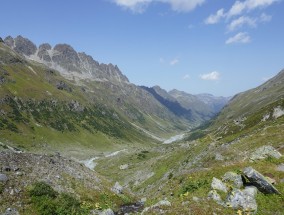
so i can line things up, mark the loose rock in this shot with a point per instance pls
(244, 200)
(217, 184)
(259, 181)
(234, 178)
(3, 178)
(117, 188)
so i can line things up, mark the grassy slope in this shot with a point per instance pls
(191, 165)
(32, 122)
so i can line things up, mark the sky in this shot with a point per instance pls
(221, 47)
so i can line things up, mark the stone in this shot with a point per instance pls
(216, 197)
(244, 200)
(259, 181)
(7, 168)
(264, 152)
(234, 178)
(217, 184)
(163, 203)
(104, 212)
(117, 188)
(11, 211)
(143, 200)
(219, 157)
(124, 166)
(3, 178)
(280, 167)
(196, 199)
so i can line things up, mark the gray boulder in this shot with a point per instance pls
(117, 188)
(259, 181)
(11, 211)
(234, 178)
(243, 199)
(280, 167)
(104, 212)
(3, 178)
(264, 152)
(216, 197)
(217, 184)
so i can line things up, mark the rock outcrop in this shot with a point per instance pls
(66, 60)
(264, 152)
(259, 181)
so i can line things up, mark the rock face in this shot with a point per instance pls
(66, 60)
(259, 181)
(23, 46)
(264, 152)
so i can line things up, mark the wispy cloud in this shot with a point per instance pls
(241, 10)
(248, 5)
(213, 76)
(240, 22)
(265, 18)
(174, 61)
(238, 8)
(186, 77)
(139, 6)
(242, 37)
(215, 18)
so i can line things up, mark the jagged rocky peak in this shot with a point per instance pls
(21, 45)
(87, 59)
(9, 41)
(66, 56)
(43, 52)
(66, 60)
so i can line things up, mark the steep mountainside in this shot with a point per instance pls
(252, 108)
(101, 107)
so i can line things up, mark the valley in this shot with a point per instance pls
(76, 137)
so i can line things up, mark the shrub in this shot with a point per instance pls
(42, 189)
(48, 202)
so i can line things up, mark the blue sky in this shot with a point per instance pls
(220, 47)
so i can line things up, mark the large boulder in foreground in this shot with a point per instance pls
(259, 181)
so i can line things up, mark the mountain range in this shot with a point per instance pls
(77, 84)
(77, 137)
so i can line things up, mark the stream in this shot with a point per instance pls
(174, 138)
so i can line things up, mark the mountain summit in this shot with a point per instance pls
(66, 60)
